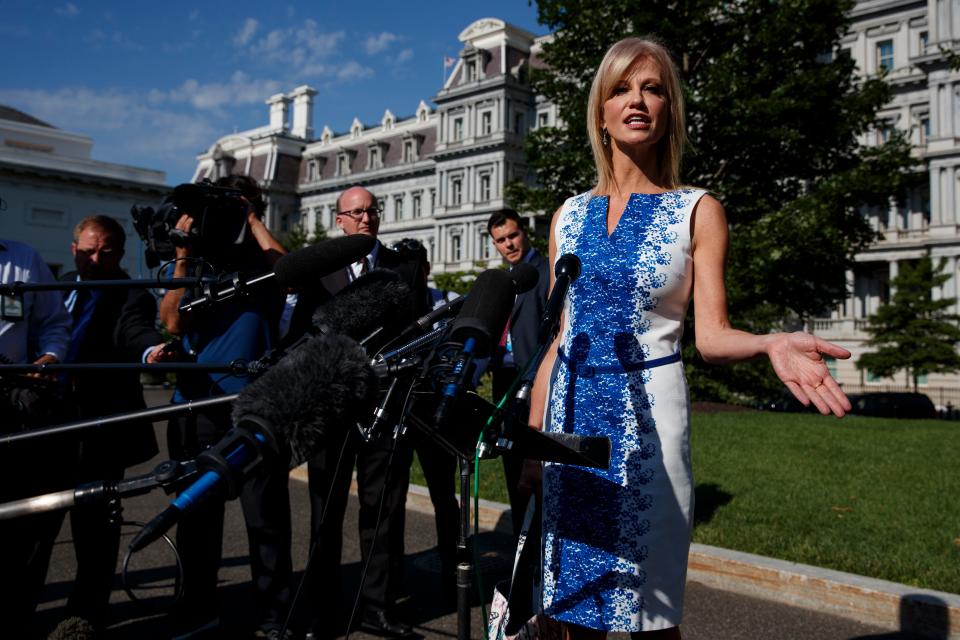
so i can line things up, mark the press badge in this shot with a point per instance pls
(11, 308)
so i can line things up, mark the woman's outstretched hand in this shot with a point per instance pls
(797, 360)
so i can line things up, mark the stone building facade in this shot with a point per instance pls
(904, 40)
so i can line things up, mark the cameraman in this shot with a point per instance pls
(243, 327)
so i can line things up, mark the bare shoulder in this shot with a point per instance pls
(709, 207)
(709, 221)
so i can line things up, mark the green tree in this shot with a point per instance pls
(456, 281)
(298, 237)
(774, 120)
(914, 332)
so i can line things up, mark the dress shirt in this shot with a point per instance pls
(355, 270)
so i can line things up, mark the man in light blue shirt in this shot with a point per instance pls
(34, 327)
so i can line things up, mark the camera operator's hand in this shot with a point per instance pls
(170, 304)
(184, 224)
(272, 249)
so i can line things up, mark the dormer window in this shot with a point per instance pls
(327, 135)
(474, 63)
(411, 147)
(344, 162)
(356, 129)
(313, 170)
(422, 111)
(375, 155)
(388, 120)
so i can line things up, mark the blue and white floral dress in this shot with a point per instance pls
(616, 541)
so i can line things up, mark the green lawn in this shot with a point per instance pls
(878, 497)
(870, 496)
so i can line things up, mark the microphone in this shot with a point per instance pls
(566, 271)
(376, 302)
(479, 324)
(284, 417)
(300, 269)
(524, 277)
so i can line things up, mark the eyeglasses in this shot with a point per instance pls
(357, 214)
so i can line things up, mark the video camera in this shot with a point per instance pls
(219, 222)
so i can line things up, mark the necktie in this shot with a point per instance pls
(82, 313)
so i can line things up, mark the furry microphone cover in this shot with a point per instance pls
(377, 299)
(312, 395)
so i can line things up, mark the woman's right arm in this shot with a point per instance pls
(538, 395)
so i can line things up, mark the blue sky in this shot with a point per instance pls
(154, 84)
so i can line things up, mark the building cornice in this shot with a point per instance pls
(74, 177)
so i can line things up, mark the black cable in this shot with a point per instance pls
(314, 544)
(373, 542)
(178, 580)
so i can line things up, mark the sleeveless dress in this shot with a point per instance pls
(616, 541)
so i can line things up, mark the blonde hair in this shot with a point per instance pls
(618, 64)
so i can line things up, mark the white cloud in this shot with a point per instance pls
(194, 14)
(403, 56)
(298, 46)
(376, 44)
(137, 125)
(217, 96)
(353, 70)
(68, 10)
(245, 34)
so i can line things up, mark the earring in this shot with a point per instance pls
(604, 137)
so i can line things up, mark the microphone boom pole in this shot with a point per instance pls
(18, 288)
(153, 413)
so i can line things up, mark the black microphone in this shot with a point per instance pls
(524, 277)
(284, 417)
(300, 269)
(566, 271)
(477, 328)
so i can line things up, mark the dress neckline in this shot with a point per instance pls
(606, 210)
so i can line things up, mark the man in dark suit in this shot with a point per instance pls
(519, 343)
(109, 325)
(330, 472)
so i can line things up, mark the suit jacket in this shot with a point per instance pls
(122, 327)
(527, 311)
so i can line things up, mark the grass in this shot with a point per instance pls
(877, 497)
(871, 496)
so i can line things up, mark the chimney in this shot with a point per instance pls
(302, 125)
(279, 112)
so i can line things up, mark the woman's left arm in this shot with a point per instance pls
(797, 358)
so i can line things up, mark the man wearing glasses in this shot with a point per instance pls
(358, 212)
